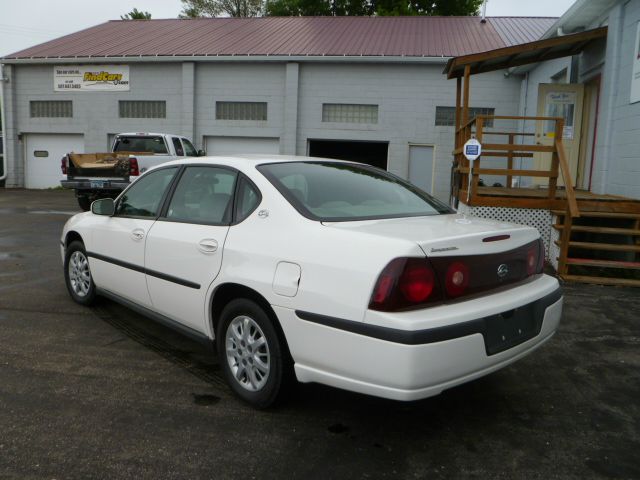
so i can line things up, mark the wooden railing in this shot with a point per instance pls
(466, 189)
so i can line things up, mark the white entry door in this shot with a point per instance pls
(421, 167)
(240, 145)
(43, 155)
(559, 100)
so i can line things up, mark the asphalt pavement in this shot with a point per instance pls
(105, 393)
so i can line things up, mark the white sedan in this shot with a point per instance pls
(317, 270)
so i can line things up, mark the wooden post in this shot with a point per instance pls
(565, 238)
(555, 161)
(476, 164)
(458, 112)
(510, 160)
(465, 100)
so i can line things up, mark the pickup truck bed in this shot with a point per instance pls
(105, 175)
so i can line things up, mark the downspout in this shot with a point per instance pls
(4, 138)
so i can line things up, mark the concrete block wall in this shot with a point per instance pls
(407, 96)
(95, 114)
(620, 137)
(246, 82)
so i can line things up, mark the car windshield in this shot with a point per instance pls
(331, 191)
(140, 144)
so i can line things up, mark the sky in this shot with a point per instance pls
(25, 23)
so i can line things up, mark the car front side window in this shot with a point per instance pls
(144, 197)
(189, 149)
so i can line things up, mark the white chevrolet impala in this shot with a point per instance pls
(317, 270)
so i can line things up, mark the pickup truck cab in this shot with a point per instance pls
(105, 175)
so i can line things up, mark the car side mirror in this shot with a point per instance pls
(104, 206)
(202, 153)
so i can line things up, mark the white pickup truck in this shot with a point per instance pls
(105, 175)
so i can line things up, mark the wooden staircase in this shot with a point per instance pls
(602, 245)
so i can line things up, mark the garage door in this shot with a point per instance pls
(43, 154)
(239, 145)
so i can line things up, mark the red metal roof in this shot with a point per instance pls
(294, 36)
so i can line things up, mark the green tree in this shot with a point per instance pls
(372, 7)
(428, 7)
(136, 14)
(215, 8)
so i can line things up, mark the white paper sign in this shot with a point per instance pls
(472, 149)
(635, 71)
(90, 78)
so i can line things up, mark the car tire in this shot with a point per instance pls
(77, 274)
(253, 354)
(84, 203)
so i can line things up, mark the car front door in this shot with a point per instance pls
(184, 246)
(117, 249)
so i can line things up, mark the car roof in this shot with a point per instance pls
(250, 160)
(148, 134)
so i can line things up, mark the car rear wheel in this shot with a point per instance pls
(254, 357)
(77, 274)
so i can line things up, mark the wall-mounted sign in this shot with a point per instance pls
(635, 71)
(90, 78)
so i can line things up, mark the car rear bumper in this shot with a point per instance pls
(404, 364)
(95, 185)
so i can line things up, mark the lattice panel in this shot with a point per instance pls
(533, 217)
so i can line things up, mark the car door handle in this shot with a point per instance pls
(208, 245)
(137, 234)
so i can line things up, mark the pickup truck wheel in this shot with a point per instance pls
(85, 203)
(252, 354)
(77, 274)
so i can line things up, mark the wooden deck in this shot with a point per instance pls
(539, 198)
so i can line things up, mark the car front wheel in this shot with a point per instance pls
(253, 356)
(77, 274)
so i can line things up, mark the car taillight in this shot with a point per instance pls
(457, 279)
(535, 258)
(63, 165)
(405, 283)
(133, 167)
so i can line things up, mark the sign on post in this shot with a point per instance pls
(472, 149)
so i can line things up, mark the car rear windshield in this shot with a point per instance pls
(334, 192)
(140, 144)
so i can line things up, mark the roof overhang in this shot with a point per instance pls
(227, 58)
(526, 53)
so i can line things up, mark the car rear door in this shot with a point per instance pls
(184, 247)
(117, 249)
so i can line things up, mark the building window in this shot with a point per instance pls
(51, 108)
(143, 109)
(446, 116)
(349, 113)
(241, 111)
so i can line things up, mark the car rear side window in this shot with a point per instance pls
(335, 191)
(203, 195)
(143, 198)
(247, 199)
